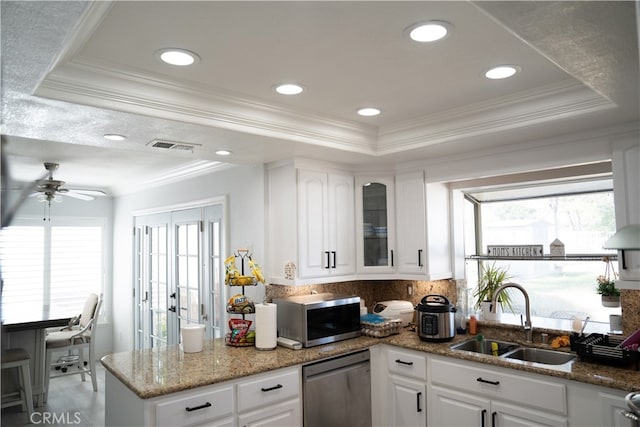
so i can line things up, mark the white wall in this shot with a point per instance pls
(244, 188)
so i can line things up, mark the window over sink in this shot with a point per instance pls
(576, 210)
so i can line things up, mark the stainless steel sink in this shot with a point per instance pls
(515, 352)
(538, 355)
(487, 346)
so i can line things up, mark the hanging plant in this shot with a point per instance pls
(606, 285)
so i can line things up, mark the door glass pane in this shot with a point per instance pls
(158, 280)
(374, 206)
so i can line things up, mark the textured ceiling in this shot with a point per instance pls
(81, 70)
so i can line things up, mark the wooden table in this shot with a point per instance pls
(27, 329)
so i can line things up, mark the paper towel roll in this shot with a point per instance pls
(266, 326)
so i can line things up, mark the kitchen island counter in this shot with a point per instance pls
(160, 371)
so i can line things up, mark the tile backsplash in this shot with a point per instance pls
(373, 291)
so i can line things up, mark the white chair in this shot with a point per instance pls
(74, 339)
(19, 358)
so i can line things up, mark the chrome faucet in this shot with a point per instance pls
(528, 329)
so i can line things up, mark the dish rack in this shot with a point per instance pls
(607, 349)
(374, 325)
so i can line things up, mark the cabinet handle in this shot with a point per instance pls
(402, 362)
(275, 387)
(419, 409)
(334, 259)
(481, 380)
(483, 415)
(327, 254)
(493, 419)
(195, 408)
(391, 257)
(419, 257)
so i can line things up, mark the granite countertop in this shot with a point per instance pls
(156, 372)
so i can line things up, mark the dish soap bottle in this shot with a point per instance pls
(473, 325)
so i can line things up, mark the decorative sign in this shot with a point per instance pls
(515, 251)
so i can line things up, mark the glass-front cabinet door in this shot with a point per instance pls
(375, 224)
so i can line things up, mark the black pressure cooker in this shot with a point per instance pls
(436, 318)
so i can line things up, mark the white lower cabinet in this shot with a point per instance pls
(405, 388)
(591, 405)
(470, 394)
(271, 399)
(279, 415)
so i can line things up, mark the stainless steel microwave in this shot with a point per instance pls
(318, 319)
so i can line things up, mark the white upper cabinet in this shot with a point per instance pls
(375, 224)
(326, 224)
(422, 222)
(310, 224)
(626, 189)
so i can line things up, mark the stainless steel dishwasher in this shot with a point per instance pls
(337, 392)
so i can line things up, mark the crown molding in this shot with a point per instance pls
(100, 85)
(552, 102)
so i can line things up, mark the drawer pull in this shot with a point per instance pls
(272, 388)
(195, 408)
(481, 380)
(402, 362)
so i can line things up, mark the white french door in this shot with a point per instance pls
(177, 274)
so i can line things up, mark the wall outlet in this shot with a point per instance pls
(409, 289)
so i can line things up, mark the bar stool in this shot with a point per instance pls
(19, 358)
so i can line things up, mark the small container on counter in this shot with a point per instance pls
(473, 325)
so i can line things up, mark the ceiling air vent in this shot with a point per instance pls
(172, 145)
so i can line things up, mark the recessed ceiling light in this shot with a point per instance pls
(289, 89)
(114, 137)
(223, 152)
(502, 72)
(429, 32)
(180, 57)
(369, 111)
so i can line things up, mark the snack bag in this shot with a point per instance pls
(256, 270)
(231, 269)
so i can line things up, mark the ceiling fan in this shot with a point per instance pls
(49, 189)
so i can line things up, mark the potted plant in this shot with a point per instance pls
(491, 278)
(606, 286)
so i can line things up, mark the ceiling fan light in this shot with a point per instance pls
(223, 152)
(429, 32)
(502, 72)
(179, 57)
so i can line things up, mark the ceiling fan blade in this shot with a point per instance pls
(76, 195)
(94, 193)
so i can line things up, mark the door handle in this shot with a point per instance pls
(146, 296)
(203, 312)
(173, 295)
(483, 415)
(172, 308)
(418, 408)
(391, 257)
(493, 419)
(419, 257)
(334, 259)
(327, 254)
